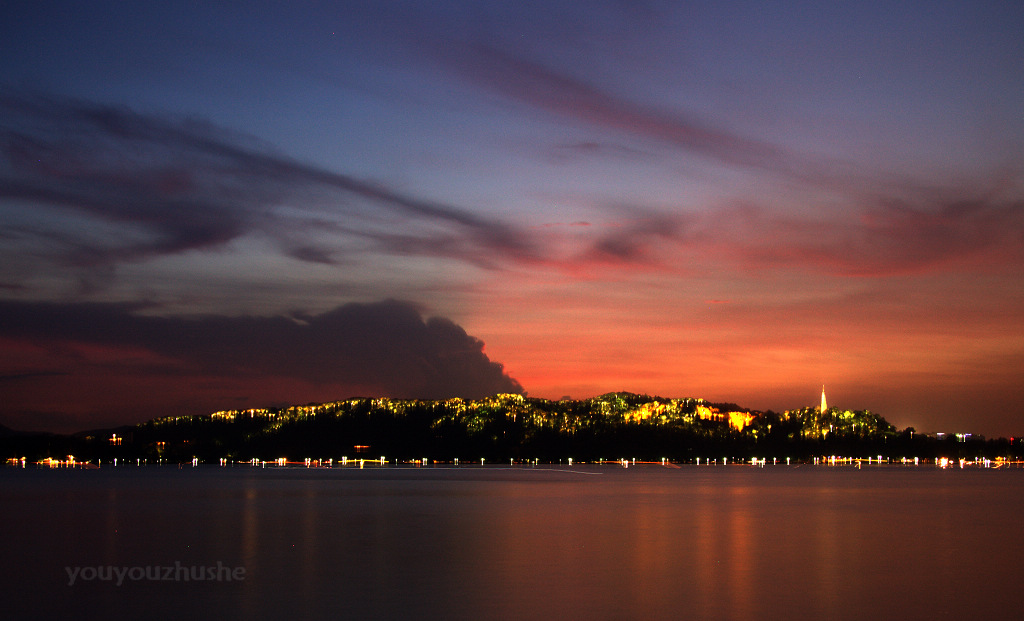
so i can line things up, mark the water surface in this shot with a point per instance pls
(536, 543)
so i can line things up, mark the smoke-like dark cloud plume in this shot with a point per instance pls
(380, 349)
(186, 185)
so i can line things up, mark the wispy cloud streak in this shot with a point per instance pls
(931, 234)
(191, 185)
(534, 84)
(185, 185)
(888, 225)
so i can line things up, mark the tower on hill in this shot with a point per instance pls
(824, 404)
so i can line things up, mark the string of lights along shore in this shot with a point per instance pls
(515, 430)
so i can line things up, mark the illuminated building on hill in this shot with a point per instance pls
(824, 404)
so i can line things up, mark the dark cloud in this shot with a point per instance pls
(177, 185)
(198, 365)
(639, 240)
(907, 231)
(938, 231)
(173, 185)
(169, 186)
(888, 224)
(590, 148)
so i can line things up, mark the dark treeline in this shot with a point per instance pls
(612, 426)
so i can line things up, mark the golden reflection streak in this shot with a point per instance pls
(827, 553)
(652, 543)
(707, 574)
(741, 561)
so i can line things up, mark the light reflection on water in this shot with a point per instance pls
(652, 543)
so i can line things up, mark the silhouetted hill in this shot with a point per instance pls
(502, 427)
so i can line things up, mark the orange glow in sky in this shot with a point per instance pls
(208, 207)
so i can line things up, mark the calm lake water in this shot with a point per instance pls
(538, 543)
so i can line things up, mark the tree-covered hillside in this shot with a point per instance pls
(503, 427)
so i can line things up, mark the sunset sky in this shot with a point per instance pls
(221, 205)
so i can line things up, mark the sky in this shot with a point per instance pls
(223, 205)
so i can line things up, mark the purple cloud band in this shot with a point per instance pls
(195, 186)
